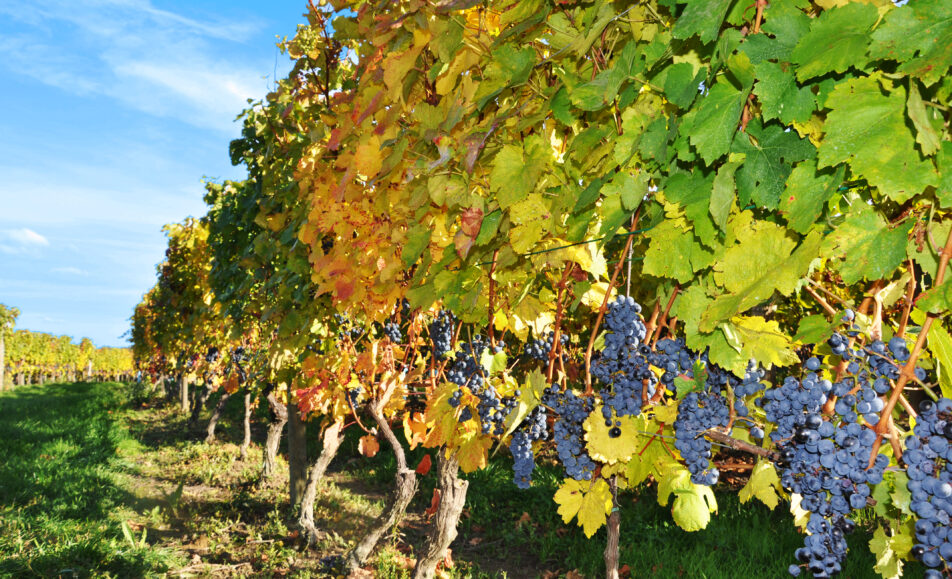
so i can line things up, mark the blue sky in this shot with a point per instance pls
(114, 111)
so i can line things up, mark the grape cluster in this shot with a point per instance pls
(698, 412)
(674, 358)
(571, 412)
(534, 428)
(928, 459)
(623, 365)
(441, 333)
(467, 372)
(541, 348)
(346, 328)
(212, 355)
(826, 458)
(392, 331)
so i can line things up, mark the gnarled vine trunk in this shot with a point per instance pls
(279, 417)
(404, 489)
(216, 416)
(200, 402)
(331, 440)
(297, 454)
(443, 533)
(247, 423)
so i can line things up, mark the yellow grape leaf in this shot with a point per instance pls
(368, 445)
(763, 485)
(367, 158)
(590, 501)
(441, 422)
(693, 503)
(800, 516)
(531, 313)
(604, 447)
(473, 449)
(668, 413)
(500, 321)
(414, 428)
(594, 297)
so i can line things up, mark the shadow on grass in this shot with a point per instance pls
(58, 486)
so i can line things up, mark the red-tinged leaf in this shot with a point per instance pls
(434, 503)
(463, 243)
(424, 466)
(472, 220)
(334, 142)
(624, 571)
(344, 288)
(368, 445)
(448, 559)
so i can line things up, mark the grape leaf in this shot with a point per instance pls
(868, 129)
(701, 17)
(760, 340)
(762, 485)
(509, 65)
(770, 153)
(693, 192)
(837, 40)
(590, 501)
(517, 169)
(722, 193)
(868, 247)
(715, 119)
(681, 84)
(693, 503)
(674, 252)
(601, 446)
(807, 193)
(779, 95)
(926, 135)
(750, 271)
(919, 36)
(888, 560)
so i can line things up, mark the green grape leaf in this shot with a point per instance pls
(681, 84)
(868, 129)
(693, 192)
(701, 17)
(807, 193)
(693, 503)
(926, 134)
(868, 247)
(770, 153)
(779, 95)
(517, 169)
(723, 193)
(919, 37)
(888, 562)
(674, 252)
(837, 40)
(715, 120)
(754, 269)
(815, 329)
(760, 340)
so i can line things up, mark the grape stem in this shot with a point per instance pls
(819, 299)
(492, 301)
(737, 444)
(910, 294)
(664, 316)
(908, 370)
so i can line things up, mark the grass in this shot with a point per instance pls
(61, 501)
(92, 485)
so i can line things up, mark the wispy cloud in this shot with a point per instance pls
(149, 59)
(23, 240)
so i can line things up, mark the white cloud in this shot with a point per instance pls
(23, 240)
(149, 59)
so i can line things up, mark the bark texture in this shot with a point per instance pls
(183, 392)
(297, 454)
(404, 489)
(200, 401)
(216, 416)
(279, 417)
(443, 533)
(331, 439)
(247, 422)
